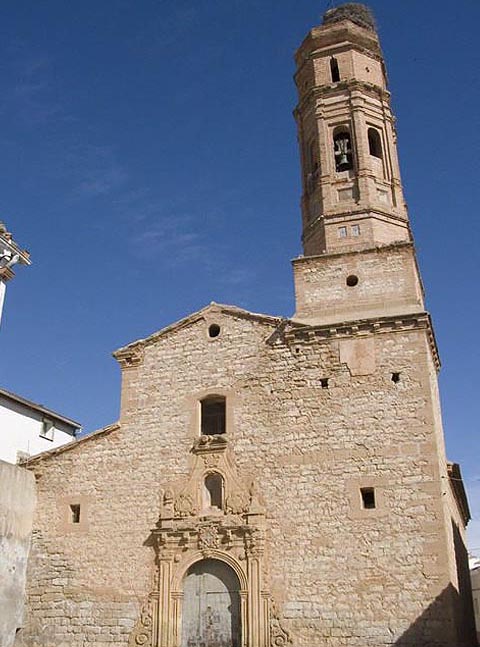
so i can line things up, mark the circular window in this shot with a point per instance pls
(352, 280)
(213, 330)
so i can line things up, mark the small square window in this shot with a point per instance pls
(342, 232)
(75, 513)
(356, 230)
(368, 498)
(48, 429)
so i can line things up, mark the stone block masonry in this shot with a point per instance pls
(332, 566)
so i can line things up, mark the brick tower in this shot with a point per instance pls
(353, 211)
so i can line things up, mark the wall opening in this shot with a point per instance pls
(213, 415)
(213, 330)
(334, 70)
(395, 378)
(214, 491)
(368, 498)
(342, 149)
(352, 280)
(48, 429)
(374, 143)
(75, 513)
(355, 231)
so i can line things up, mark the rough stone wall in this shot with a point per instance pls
(17, 501)
(341, 575)
(388, 283)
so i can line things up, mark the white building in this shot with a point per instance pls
(27, 428)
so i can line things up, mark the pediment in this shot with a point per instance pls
(132, 354)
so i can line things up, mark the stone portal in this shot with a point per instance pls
(211, 606)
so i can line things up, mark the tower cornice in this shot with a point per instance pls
(339, 89)
(342, 34)
(362, 327)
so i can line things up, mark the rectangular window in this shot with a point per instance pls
(75, 513)
(48, 429)
(213, 416)
(342, 232)
(368, 498)
(355, 230)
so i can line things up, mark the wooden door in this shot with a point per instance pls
(211, 606)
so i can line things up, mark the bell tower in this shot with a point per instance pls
(358, 253)
(352, 193)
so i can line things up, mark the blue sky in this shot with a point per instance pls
(149, 163)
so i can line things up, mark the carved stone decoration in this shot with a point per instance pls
(191, 529)
(256, 505)
(167, 508)
(184, 505)
(130, 357)
(211, 460)
(278, 636)
(142, 633)
(237, 503)
(254, 541)
(208, 538)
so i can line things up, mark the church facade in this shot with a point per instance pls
(274, 481)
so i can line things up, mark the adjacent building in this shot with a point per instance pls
(276, 481)
(28, 428)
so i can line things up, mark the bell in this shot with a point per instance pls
(343, 159)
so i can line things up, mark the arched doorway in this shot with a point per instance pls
(211, 606)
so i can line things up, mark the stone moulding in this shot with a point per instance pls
(421, 321)
(187, 532)
(142, 634)
(130, 357)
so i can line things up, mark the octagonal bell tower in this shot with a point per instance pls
(358, 259)
(352, 193)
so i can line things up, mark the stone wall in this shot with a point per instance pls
(388, 284)
(339, 574)
(17, 502)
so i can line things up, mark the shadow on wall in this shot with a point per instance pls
(440, 625)
(449, 620)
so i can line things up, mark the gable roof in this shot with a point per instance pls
(212, 308)
(39, 408)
